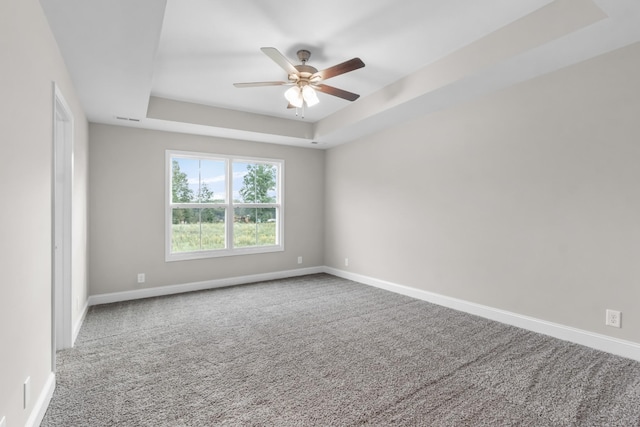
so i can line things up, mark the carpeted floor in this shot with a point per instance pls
(323, 351)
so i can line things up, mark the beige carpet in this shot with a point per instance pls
(323, 351)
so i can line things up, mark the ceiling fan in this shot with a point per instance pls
(306, 80)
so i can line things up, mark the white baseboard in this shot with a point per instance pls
(198, 286)
(41, 405)
(616, 346)
(78, 324)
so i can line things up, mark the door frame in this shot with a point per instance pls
(62, 203)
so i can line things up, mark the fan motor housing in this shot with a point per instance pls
(308, 69)
(304, 74)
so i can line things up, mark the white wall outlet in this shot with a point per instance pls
(141, 278)
(346, 262)
(26, 392)
(613, 318)
(3, 422)
(299, 260)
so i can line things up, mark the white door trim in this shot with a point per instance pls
(62, 328)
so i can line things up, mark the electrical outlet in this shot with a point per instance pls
(141, 278)
(613, 318)
(346, 262)
(299, 260)
(3, 422)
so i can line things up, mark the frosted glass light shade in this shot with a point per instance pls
(294, 96)
(310, 96)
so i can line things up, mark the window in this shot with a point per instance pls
(220, 205)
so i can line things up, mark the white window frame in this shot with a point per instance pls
(229, 205)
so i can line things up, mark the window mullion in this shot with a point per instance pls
(200, 226)
(229, 204)
(196, 205)
(256, 205)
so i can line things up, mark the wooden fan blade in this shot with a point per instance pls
(256, 84)
(336, 70)
(349, 96)
(279, 59)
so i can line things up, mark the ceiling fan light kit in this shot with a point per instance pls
(301, 95)
(305, 79)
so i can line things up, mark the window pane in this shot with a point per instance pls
(184, 180)
(254, 227)
(254, 182)
(198, 180)
(212, 188)
(197, 229)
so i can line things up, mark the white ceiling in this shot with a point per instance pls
(171, 64)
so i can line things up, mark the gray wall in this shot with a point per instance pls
(30, 62)
(127, 176)
(527, 200)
